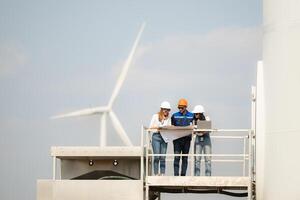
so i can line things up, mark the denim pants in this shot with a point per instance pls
(159, 146)
(181, 145)
(203, 145)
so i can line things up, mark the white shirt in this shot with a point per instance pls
(156, 123)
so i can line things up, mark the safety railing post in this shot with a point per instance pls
(147, 166)
(147, 192)
(244, 160)
(252, 137)
(142, 156)
(250, 164)
(192, 157)
(147, 156)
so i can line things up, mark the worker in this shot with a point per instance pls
(159, 145)
(182, 145)
(202, 143)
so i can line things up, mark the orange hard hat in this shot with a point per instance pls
(182, 102)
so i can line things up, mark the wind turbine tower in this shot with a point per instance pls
(278, 172)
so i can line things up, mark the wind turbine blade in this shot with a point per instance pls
(125, 67)
(120, 130)
(103, 130)
(87, 111)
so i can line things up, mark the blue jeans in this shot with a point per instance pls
(181, 145)
(203, 144)
(159, 146)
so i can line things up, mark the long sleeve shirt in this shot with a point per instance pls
(157, 124)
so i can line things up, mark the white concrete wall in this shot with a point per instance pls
(281, 60)
(260, 131)
(90, 190)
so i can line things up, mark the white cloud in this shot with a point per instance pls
(216, 58)
(202, 52)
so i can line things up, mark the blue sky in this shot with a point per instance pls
(59, 56)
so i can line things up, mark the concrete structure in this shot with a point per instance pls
(260, 131)
(89, 173)
(281, 61)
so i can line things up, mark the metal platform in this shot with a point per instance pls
(232, 186)
(239, 186)
(237, 182)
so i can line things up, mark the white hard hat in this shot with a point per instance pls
(198, 109)
(165, 105)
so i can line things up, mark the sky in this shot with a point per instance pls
(61, 56)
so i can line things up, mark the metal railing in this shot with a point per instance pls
(246, 157)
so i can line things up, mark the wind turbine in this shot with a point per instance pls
(107, 110)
